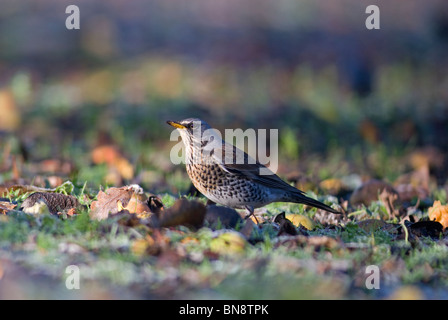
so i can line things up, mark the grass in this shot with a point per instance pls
(326, 131)
(272, 268)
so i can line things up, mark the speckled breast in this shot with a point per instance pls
(225, 188)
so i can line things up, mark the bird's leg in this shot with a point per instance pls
(250, 210)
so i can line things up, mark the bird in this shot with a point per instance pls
(228, 176)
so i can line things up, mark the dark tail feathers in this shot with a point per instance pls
(301, 198)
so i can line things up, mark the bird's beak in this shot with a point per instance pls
(176, 124)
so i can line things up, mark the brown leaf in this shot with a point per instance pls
(418, 178)
(55, 202)
(71, 212)
(369, 192)
(301, 181)
(286, 226)
(431, 229)
(369, 131)
(228, 243)
(155, 204)
(21, 189)
(439, 213)
(6, 206)
(223, 216)
(185, 212)
(115, 200)
(389, 199)
(10, 119)
(115, 160)
(371, 225)
(334, 186)
(408, 192)
(316, 242)
(146, 245)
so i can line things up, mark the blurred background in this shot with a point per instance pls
(91, 104)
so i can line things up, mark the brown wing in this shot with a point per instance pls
(238, 162)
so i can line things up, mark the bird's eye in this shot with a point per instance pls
(190, 125)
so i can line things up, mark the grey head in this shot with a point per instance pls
(194, 131)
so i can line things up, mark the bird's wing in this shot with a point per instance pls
(237, 162)
(241, 164)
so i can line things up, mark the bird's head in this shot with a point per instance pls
(192, 130)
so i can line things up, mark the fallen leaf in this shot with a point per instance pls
(39, 202)
(114, 159)
(333, 186)
(432, 229)
(185, 212)
(144, 246)
(371, 225)
(301, 181)
(130, 198)
(224, 217)
(301, 220)
(286, 226)
(55, 166)
(228, 243)
(428, 156)
(155, 204)
(316, 242)
(439, 213)
(370, 191)
(408, 192)
(6, 206)
(323, 241)
(389, 199)
(369, 131)
(407, 293)
(10, 119)
(70, 213)
(418, 178)
(20, 189)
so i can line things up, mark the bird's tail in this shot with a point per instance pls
(301, 198)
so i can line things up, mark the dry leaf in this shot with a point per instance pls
(369, 192)
(6, 206)
(369, 131)
(407, 293)
(389, 199)
(286, 226)
(155, 204)
(146, 245)
(222, 216)
(115, 200)
(40, 202)
(10, 119)
(228, 242)
(115, 160)
(408, 192)
(432, 229)
(183, 212)
(333, 186)
(20, 189)
(323, 241)
(439, 213)
(301, 220)
(301, 181)
(427, 156)
(371, 225)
